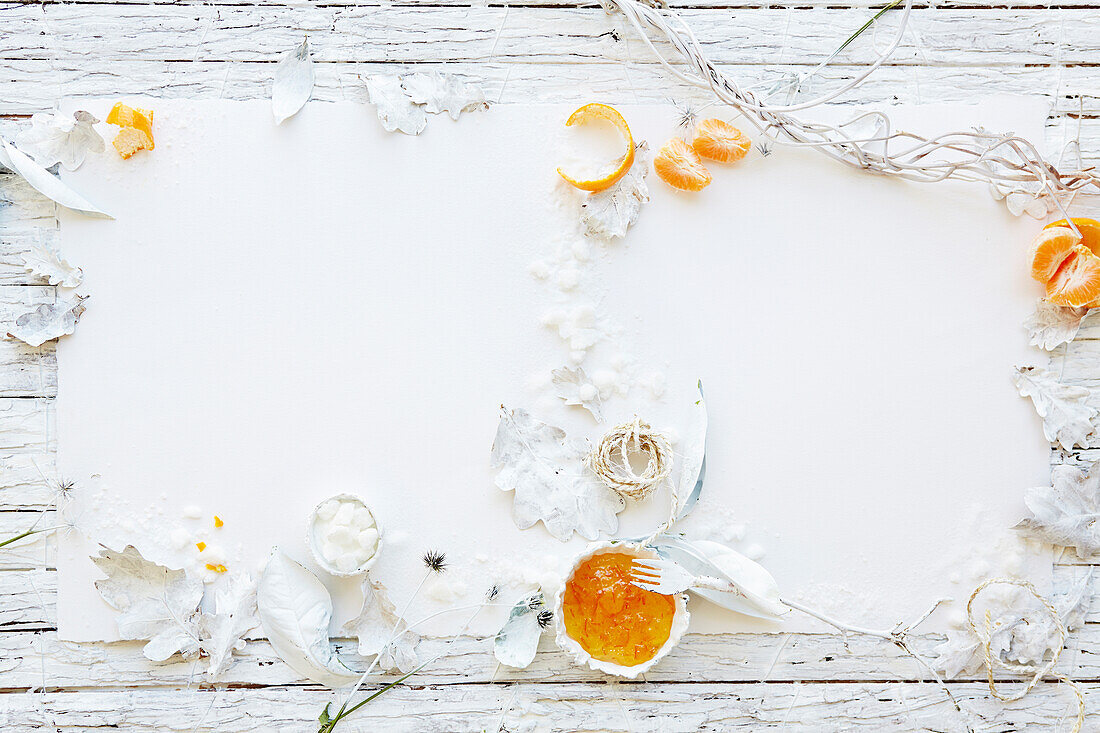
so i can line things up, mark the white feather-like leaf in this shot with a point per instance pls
(293, 85)
(1067, 417)
(609, 213)
(48, 321)
(518, 640)
(60, 138)
(1066, 512)
(45, 182)
(1052, 325)
(574, 386)
(444, 93)
(396, 111)
(295, 609)
(545, 469)
(234, 616)
(382, 632)
(43, 262)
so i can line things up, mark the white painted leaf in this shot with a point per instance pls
(574, 386)
(1051, 325)
(693, 468)
(48, 321)
(1065, 514)
(1067, 418)
(396, 111)
(609, 213)
(295, 609)
(293, 85)
(234, 616)
(155, 604)
(48, 265)
(376, 627)
(546, 471)
(45, 182)
(958, 654)
(1020, 202)
(518, 640)
(60, 138)
(444, 93)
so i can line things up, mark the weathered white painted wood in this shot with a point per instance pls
(68, 34)
(613, 707)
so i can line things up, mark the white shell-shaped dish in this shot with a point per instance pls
(312, 539)
(680, 616)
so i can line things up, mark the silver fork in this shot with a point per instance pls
(666, 577)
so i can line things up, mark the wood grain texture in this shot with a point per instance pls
(522, 51)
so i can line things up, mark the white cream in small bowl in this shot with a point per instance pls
(344, 535)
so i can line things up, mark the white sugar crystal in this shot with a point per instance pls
(341, 535)
(362, 517)
(330, 551)
(368, 539)
(554, 317)
(577, 357)
(539, 269)
(180, 538)
(192, 511)
(344, 514)
(584, 316)
(581, 251)
(603, 379)
(346, 563)
(587, 392)
(328, 509)
(568, 278)
(754, 552)
(213, 554)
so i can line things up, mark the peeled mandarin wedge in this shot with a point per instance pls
(1089, 228)
(718, 140)
(589, 113)
(1050, 250)
(678, 165)
(1077, 281)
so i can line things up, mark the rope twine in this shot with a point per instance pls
(610, 459)
(1037, 671)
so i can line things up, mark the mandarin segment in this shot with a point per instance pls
(592, 112)
(612, 619)
(1077, 281)
(1050, 250)
(720, 141)
(1089, 228)
(678, 165)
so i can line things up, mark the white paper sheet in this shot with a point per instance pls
(280, 314)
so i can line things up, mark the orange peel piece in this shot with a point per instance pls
(593, 112)
(718, 140)
(135, 129)
(678, 165)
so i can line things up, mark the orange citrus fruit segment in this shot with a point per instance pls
(718, 140)
(1089, 228)
(1050, 250)
(1077, 280)
(678, 165)
(136, 128)
(592, 112)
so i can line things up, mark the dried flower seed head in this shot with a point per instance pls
(535, 601)
(493, 593)
(65, 485)
(435, 561)
(545, 619)
(688, 115)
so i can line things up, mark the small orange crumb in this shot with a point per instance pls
(201, 546)
(136, 129)
(216, 568)
(218, 521)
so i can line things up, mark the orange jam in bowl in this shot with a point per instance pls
(612, 620)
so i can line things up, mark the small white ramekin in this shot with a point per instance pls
(312, 539)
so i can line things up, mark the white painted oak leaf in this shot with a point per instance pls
(382, 632)
(45, 182)
(609, 213)
(43, 262)
(958, 654)
(293, 85)
(234, 616)
(545, 469)
(518, 640)
(295, 609)
(1065, 514)
(60, 138)
(1052, 325)
(155, 604)
(444, 93)
(1067, 418)
(48, 321)
(396, 111)
(574, 386)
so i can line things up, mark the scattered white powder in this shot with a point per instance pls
(345, 532)
(192, 511)
(539, 269)
(180, 538)
(568, 278)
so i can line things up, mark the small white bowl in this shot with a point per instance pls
(312, 539)
(680, 616)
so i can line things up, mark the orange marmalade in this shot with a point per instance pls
(611, 619)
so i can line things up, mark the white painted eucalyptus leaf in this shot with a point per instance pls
(48, 321)
(295, 609)
(693, 469)
(382, 632)
(1066, 513)
(609, 213)
(155, 604)
(234, 616)
(444, 93)
(1052, 325)
(574, 386)
(45, 182)
(396, 111)
(60, 138)
(43, 262)
(293, 85)
(545, 469)
(518, 640)
(1067, 417)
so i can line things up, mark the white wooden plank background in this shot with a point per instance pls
(542, 50)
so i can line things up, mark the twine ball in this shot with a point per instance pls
(610, 459)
